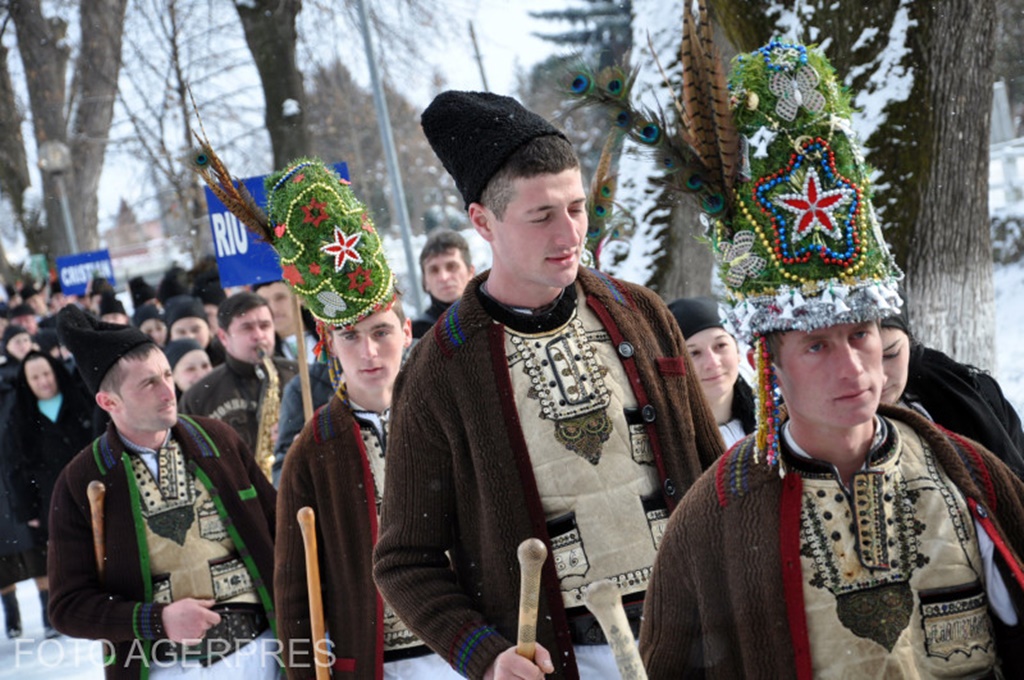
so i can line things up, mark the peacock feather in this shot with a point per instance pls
(699, 152)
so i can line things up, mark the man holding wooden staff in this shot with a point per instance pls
(548, 401)
(334, 260)
(186, 582)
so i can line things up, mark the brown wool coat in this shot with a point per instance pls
(326, 469)
(459, 477)
(716, 606)
(120, 608)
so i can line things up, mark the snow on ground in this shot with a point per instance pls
(32, 657)
(1009, 284)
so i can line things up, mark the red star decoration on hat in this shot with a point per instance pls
(343, 248)
(292, 275)
(359, 279)
(815, 207)
(314, 269)
(317, 206)
(299, 177)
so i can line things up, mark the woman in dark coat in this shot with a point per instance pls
(960, 398)
(716, 358)
(50, 422)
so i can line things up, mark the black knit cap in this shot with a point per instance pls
(207, 288)
(182, 307)
(145, 313)
(109, 304)
(176, 349)
(696, 314)
(474, 133)
(96, 345)
(10, 332)
(22, 309)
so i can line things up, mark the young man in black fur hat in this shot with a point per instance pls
(189, 522)
(548, 401)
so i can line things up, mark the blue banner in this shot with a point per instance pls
(242, 258)
(76, 271)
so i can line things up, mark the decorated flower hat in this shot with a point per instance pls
(801, 247)
(330, 252)
(784, 190)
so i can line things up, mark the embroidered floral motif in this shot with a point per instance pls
(567, 379)
(585, 435)
(880, 614)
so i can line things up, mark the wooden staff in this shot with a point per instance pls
(96, 492)
(604, 602)
(532, 553)
(300, 352)
(307, 523)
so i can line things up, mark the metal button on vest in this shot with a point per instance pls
(625, 350)
(670, 488)
(981, 511)
(648, 413)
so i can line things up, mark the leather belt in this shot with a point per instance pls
(239, 625)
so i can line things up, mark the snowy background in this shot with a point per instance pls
(503, 29)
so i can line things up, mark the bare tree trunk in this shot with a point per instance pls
(931, 150)
(269, 27)
(94, 91)
(44, 54)
(14, 177)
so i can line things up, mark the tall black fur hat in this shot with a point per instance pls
(141, 291)
(96, 345)
(474, 133)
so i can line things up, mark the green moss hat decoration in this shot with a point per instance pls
(330, 251)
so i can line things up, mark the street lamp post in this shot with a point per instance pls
(55, 159)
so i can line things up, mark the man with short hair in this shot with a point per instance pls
(550, 401)
(287, 324)
(336, 464)
(25, 316)
(446, 268)
(236, 391)
(188, 523)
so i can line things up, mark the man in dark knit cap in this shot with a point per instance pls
(550, 401)
(188, 529)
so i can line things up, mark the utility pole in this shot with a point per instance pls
(384, 122)
(479, 60)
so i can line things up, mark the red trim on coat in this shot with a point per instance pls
(792, 573)
(371, 510)
(985, 479)
(346, 665)
(629, 365)
(985, 520)
(514, 430)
